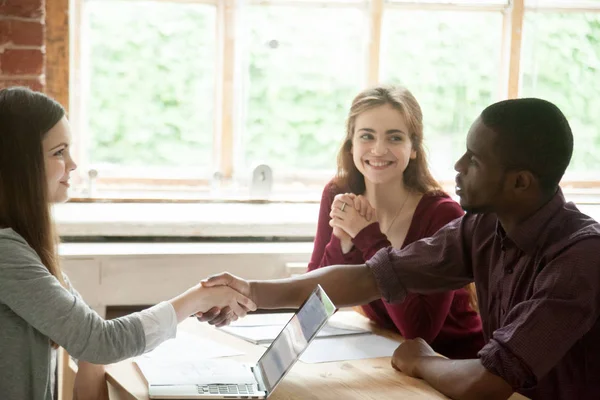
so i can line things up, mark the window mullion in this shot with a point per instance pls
(375, 20)
(224, 145)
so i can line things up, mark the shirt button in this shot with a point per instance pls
(509, 270)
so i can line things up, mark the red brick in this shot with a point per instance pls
(21, 62)
(33, 84)
(21, 33)
(26, 33)
(22, 8)
(5, 29)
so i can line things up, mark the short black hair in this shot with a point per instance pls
(534, 135)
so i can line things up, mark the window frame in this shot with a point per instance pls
(64, 48)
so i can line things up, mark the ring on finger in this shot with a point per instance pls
(343, 206)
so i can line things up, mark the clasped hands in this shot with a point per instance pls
(350, 214)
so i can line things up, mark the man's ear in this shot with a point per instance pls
(524, 180)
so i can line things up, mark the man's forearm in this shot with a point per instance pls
(462, 379)
(346, 285)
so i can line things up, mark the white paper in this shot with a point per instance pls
(185, 360)
(346, 348)
(264, 319)
(268, 333)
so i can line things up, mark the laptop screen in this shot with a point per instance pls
(295, 337)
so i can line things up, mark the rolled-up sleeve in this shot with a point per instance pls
(538, 332)
(434, 264)
(159, 323)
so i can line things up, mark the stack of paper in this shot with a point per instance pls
(263, 334)
(335, 342)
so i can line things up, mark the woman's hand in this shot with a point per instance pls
(200, 299)
(225, 297)
(351, 213)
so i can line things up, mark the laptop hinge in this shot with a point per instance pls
(259, 378)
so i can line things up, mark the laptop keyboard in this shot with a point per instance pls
(226, 389)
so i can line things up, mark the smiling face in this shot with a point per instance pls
(381, 145)
(57, 160)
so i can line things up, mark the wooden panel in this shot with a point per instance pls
(375, 18)
(57, 50)
(224, 145)
(66, 375)
(516, 32)
(150, 280)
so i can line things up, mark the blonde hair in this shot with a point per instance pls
(417, 175)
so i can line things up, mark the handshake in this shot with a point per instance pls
(223, 298)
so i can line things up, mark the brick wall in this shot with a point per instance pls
(22, 38)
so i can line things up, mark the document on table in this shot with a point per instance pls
(268, 333)
(346, 348)
(182, 360)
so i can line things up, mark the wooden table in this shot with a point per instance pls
(357, 379)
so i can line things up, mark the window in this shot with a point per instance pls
(450, 61)
(149, 98)
(561, 63)
(305, 64)
(182, 99)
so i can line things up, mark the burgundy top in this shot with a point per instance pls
(538, 290)
(445, 320)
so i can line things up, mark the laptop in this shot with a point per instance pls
(262, 378)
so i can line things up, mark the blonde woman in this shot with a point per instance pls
(384, 195)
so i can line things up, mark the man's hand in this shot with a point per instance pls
(407, 355)
(221, 317)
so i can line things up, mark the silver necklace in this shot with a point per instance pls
(396, 216)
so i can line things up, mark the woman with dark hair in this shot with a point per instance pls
(384, 195)
(39, 309)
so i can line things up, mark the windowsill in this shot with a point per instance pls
(208, 220)
(205, 220)
(86, 250)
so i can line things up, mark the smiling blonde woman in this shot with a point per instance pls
(384, 195)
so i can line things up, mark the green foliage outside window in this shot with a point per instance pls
(451, 62)
(152, 79)
(151, 95)
(561, 63)
(305, 66)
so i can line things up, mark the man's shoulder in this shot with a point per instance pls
(571, 225)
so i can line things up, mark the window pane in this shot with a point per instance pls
(450, 61)
(456, 2)
(561, 63)
(151, 83)
(305, 66)
(562, 3)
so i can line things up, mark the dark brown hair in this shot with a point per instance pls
(417, 175)
(25, 119)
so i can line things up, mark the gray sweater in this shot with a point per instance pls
(35, 308)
